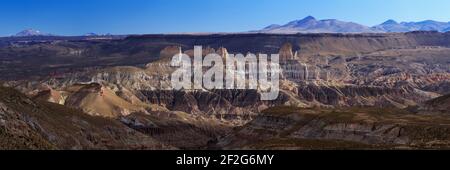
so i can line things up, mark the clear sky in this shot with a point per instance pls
(76, 17)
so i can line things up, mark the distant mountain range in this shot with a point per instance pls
(35, 33)
(91, 34)
(312, 25)
(31, 32)
(428, 25)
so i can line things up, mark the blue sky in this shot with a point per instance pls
(76, 17)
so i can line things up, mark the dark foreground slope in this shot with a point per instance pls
(28, 124)
(343, 128)
(440, 105)
(34, 124)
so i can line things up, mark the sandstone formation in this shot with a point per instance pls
(350, 90)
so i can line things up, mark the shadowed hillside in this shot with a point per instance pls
(343, 128)
(28, 124)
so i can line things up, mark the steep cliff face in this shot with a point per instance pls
(286, 52)
(351, 95)
(231, 105)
